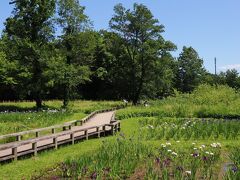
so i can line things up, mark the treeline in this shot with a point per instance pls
(50, 50)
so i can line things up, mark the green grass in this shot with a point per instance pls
(34, 166)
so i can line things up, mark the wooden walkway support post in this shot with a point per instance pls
(55, 142)
(34, 147)
(98, 132)
(14, 153)
(86, 134)
(72, 137)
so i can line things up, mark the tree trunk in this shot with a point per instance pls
(38, 101)
(66, 96)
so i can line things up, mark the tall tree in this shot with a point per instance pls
(73, 21)
(190, 70)
(142, 43)
(232, 78)
(29, 30)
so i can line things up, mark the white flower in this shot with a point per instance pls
(163, 145)
(203, 146)
(211, 153)
(193, 143)
(178, 141)
(174, 153)
(195, 148)
(168, 144)
(207, 152)
(169, 150)
(188, 172)
(150, 126)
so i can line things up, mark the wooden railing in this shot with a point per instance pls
(88, 132)
(53, 140)
(65, 126)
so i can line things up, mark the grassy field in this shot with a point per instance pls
(169, 139)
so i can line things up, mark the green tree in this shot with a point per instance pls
(73, 21)
(231, 77)
(190, 70)
(29, 30)
(141, 44)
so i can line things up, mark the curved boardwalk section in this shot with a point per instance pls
(95, 125)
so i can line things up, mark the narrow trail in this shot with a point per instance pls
(97, 120)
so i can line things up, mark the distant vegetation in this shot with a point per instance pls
(50, 50)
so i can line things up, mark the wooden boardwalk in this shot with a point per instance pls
(98, 123)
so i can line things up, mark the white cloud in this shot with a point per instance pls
(231, 66)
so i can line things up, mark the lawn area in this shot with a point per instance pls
(193, 136)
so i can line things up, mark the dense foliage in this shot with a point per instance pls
(49, 50)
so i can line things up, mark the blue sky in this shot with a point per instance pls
(210, 26)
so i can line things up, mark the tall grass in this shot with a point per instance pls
(114, 160)
(205, 102)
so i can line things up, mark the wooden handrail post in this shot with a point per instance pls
(86, 134)
(112, 130)
(70, 127)
(37, 134)
(104, 130)
(64, 128)
(55, 142)
(53, 130)
(34, 147)
(18, 137)
(14, 153)
(98, 132)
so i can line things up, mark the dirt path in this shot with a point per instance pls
(96, 120)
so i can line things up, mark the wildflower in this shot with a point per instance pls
(106, 170)
(215, 145)
(166, 162)
(150, 126)
(211, 153)
(195, 148)
(168, 144)
(84, 170)
(94, 175)
(178, 141)
(179, 168)
(204, 158)
(193, 143)
(234, 169)
(207, 152)
(174, 153)
(157, 160)
(188, 172)
(203, 146)
(195, 154)
(169, 150)
(163, 145)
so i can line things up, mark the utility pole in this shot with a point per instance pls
(215, 63)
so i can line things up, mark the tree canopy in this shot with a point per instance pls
(49, 49)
